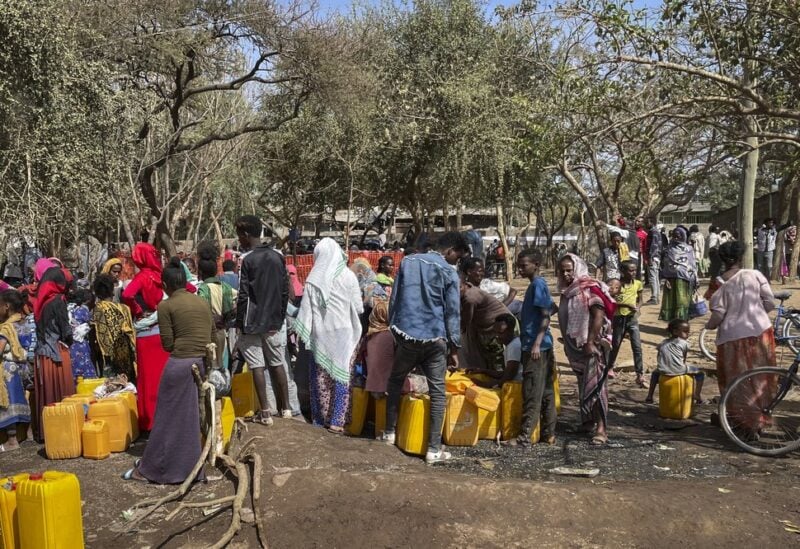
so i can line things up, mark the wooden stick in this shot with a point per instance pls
(236, 521)
(199, 504)
(261, 530)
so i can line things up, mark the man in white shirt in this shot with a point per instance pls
(765, 245)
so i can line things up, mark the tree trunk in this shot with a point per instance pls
(160, 233)
(787, 197)
(459, 216)
(318, 226)
(747, 193)
(501, 231)
(417, 216)
(523, 231)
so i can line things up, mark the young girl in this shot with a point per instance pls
(672, 354)
(15, 413)
(79, 318)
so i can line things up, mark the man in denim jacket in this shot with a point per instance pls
(425, 318)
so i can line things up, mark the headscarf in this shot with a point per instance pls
(328, 320)
(296, 285)
(147, 259)
(53, 285)
(108, 265)
(578, 294)
(679, 261)
(41, 267)
(329, 263)
(367, 280)
(379, 317)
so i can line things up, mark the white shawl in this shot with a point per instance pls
(328, 320)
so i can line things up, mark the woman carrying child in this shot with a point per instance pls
(583, 315)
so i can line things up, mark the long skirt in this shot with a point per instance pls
(18, 410)
(174, 444)
(676, 301)
(380, 358)
(151, 358)
(592, 374)
(330, 399)
(52, 381)
(739, 356)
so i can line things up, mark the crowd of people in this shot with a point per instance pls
(308, 344)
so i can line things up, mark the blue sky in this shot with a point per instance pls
(343, 5)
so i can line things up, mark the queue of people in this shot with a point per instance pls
(349, 325)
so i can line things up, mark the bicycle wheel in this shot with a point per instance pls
(707, 345)
(791, 331)
(760, 411)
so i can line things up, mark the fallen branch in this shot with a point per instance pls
(261, 530)
(200, 504)
(236, 521)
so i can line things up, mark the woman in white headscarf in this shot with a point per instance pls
(328, 323)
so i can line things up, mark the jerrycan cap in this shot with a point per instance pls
(36, 476)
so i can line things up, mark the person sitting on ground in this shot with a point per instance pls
(626, 322)
(505, 328)
(672, 353)
(186, 329)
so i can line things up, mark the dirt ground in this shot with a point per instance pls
(661, 483)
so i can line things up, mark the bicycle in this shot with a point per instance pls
(786, 327)
(760, 411)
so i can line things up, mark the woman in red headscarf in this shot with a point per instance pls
(142, 296)
(52, 379)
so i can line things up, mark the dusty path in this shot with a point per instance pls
(661, 484)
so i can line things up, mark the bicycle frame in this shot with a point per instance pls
(785, 386)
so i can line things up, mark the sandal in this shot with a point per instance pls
(129, 475)
(336, 430)
(599, 440)
(262, 419)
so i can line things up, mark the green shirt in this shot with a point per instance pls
(628, 298)
(184, 321)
